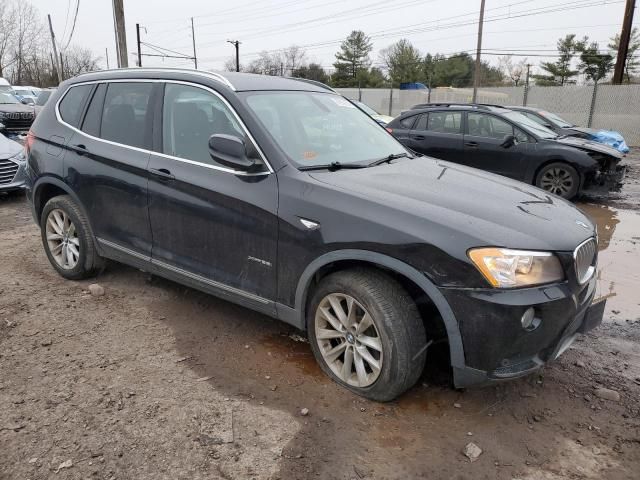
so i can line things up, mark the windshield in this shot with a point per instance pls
(23, 92)
(8, 98)
(43, 97)
(556, 119)
(321, 128)
(529, 125)
(367, 109)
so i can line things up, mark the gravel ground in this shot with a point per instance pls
(153, 380)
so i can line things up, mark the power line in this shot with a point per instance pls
(73, 27)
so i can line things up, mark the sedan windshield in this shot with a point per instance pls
(6, 98)
(530, 125)
(556, 119)
(315, 128)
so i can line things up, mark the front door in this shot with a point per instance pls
(210, 222)
(483, 145)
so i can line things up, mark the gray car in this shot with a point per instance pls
(12, 166)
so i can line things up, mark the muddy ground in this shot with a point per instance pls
(157, 381)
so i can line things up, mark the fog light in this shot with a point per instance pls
(529, 320)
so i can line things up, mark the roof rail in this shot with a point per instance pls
(213, 75)
(313, 82)
(479, 106)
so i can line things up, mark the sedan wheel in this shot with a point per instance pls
(560, 179)
(348, 340)
(62, 239)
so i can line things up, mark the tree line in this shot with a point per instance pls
(26, 55)
(403, 62)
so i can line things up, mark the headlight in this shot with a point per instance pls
(505, 268)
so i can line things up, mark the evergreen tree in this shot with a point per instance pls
(632, 63)
(593, 64)
(560, 71)
(404, 62)
(352, 58)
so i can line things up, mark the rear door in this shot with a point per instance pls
(211, 223)
(439, 135)
(106, 165)
(483, 148)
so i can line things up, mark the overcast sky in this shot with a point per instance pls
(444, 26)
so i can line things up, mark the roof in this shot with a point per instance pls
(232, 80)
(458, 106)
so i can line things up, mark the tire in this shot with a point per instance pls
(559, 178)
(397, 330)
(68, 240)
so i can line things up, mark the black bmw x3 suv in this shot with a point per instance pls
(284, 197)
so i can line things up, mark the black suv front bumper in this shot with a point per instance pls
(497, 347)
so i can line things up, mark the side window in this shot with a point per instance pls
(72, 104)
(521, 137)
(190, 116)
(422, 122)
(445, 122)
(408, 122)
(91, 123)
(124, 116)
(484, 125)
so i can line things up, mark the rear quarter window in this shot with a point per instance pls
(73, 103)
(408, 122)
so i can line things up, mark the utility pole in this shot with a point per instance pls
(121, 34)
(236, 44)
(623, 47)
(526, 87)
(476, 76)
(193, 38)
(138, 40)
(61, 67)
(106, 55)
(55, 50)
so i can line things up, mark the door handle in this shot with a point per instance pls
(471, 144)
(80, 149)
(163, 173)
(418, 137)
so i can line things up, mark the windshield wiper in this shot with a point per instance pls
(332, 167)
(388, 158)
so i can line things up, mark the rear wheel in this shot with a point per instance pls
(560, 179)
(366, 333)
(67, 239)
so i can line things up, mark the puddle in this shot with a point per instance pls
(294, 352)
(619, 259)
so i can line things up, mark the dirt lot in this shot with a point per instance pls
(154, 381)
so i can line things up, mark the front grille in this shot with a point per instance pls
(585, 260)
(17, 120)
(8, 170)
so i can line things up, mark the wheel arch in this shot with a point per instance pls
(45, 189)
(342, 259)
(559, 159)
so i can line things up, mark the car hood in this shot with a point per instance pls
(11, 107)
(443, 199)
(8, 148)
(589, 146)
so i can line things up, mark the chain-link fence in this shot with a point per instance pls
(609, 107)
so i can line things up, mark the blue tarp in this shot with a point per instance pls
(611, 138)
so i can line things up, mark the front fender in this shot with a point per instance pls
(296, 316)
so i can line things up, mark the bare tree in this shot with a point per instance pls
(294, 57)
(77, 60)
(7, 34)
(28, 32)
(267, 64)
(515, 71)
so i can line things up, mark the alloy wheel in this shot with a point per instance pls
(557, 180)
(348, 340)
(62, 239)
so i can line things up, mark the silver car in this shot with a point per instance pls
(12, 165)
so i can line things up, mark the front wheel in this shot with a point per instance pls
(560, 179)
(366, 333)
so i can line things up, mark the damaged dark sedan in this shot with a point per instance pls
(502, 141)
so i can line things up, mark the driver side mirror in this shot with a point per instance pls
(231, 151)
(26, 101)
(508, 141)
